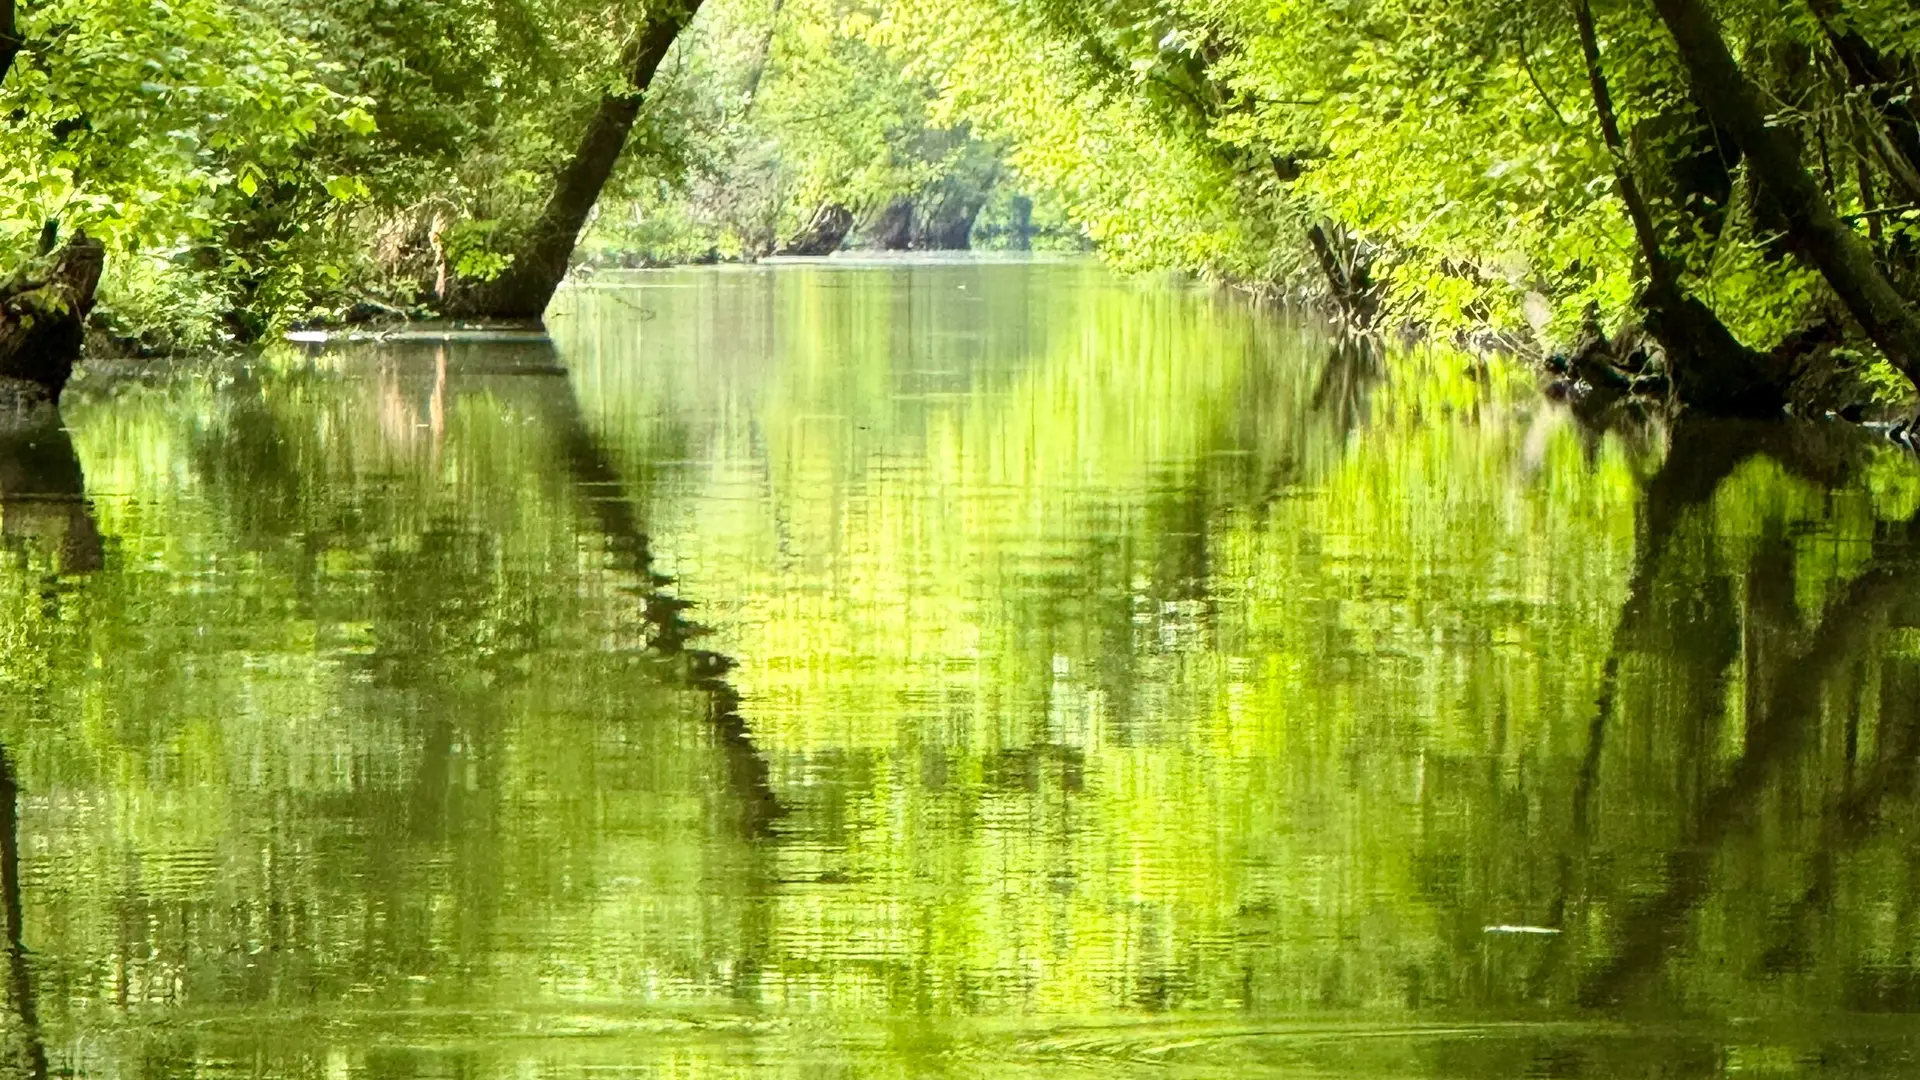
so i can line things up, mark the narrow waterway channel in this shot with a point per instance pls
(971, 668)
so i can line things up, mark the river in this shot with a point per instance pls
(968, 668)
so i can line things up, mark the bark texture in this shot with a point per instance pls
(541, 257)
(43, 317)
(1815, 231)
(947, 228)
(945, 216)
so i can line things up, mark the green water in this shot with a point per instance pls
(947, 671)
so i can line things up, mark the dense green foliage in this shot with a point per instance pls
(1467, 166)
(780, 111)
(1455, 148)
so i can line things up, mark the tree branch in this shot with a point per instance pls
(1659, 268)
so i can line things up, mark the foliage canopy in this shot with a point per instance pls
(1527, 171)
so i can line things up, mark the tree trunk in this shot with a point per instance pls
(950, 227)
(1659, 268)
(1349, 274)
(10, 42)
(42, 320)
(1022, 223)
(761, 57)
(1815, 231)
(893, 230)
(43, 316)
(823, 235)
(542, 253)
(1711, 370)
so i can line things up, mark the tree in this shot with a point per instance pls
(1813, 227)
(539, 255)
(120, 170)
(9, 37)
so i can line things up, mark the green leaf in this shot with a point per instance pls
(347, 188)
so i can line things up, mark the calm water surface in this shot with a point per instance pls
(969, 670)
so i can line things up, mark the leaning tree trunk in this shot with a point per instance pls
(758, 72)
(1349, 272)
(10, 42)
(43, 317)
(1812, 227)
(950, 226)
(543, 251)
(1711, 370)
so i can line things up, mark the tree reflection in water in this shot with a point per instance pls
(1083, 674)
(44, 513)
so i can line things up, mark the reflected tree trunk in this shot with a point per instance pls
(1856, 815)
(32, 1053)
(592, 475)
(1650, 931)
(1702, 453)
(594, 478)
(43, 491)
(1344, 390)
